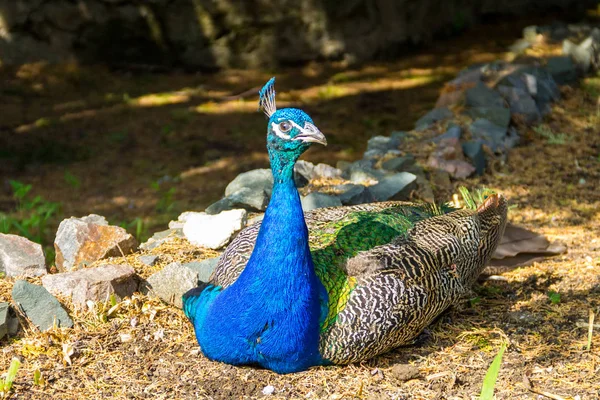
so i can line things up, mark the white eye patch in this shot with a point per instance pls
(284, 135)
(277, 131)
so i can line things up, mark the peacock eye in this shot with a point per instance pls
(285, 126)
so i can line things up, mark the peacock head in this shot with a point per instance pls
(290, 131)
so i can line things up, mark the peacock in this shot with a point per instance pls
(335, 285)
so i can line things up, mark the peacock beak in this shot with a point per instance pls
(311, 134)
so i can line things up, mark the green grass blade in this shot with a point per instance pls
(487, 390)
(11, 375)
(37, 377)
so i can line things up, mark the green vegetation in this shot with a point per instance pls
(10, 377)
(38, 379)
(489, 382)
(554, 297)
(31, 216)
(551, 137)
(137, 227)
(166, 201)
(72, 180)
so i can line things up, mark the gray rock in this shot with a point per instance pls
(316, 200)
(81, 241)
(304, 169)
(203, 268)
(343, 165)
(399, 163)
(393, 187)
(547, 88)
(562, 69)
(40, 307)
(252, 190)
(399, 135)
(498, 115)
(4, 308)
(458, 169)
(9, 324)
(362, 171)
(21, 257)
(433, 116)
(521, 103)
(172, 282)
(474, 151)
(162, 237)
(246, 198)
(453, 132)
(489, 134)
(483, 96)
(383, 143)
(538, 82)
(149, 259)
(256, 180)
(95, 284)
(221, 205)
(351, 194)
(373, 154)
(213, 231)
(448, 156)
(512, 138)
(326, 171)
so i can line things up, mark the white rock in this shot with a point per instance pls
(213, 231)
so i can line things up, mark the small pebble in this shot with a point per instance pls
(268, 390)
(125, 337)
(405, 372)
(148, 259)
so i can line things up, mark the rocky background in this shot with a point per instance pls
(203, 34)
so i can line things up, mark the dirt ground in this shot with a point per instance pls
(143, 348)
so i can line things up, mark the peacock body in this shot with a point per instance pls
(335, 285)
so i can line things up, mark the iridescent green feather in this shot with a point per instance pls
(475, 198)
(339, 240)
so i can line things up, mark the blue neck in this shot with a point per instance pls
(271, 314)
(282, 243)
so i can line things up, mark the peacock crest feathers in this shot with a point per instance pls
(266, 101)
